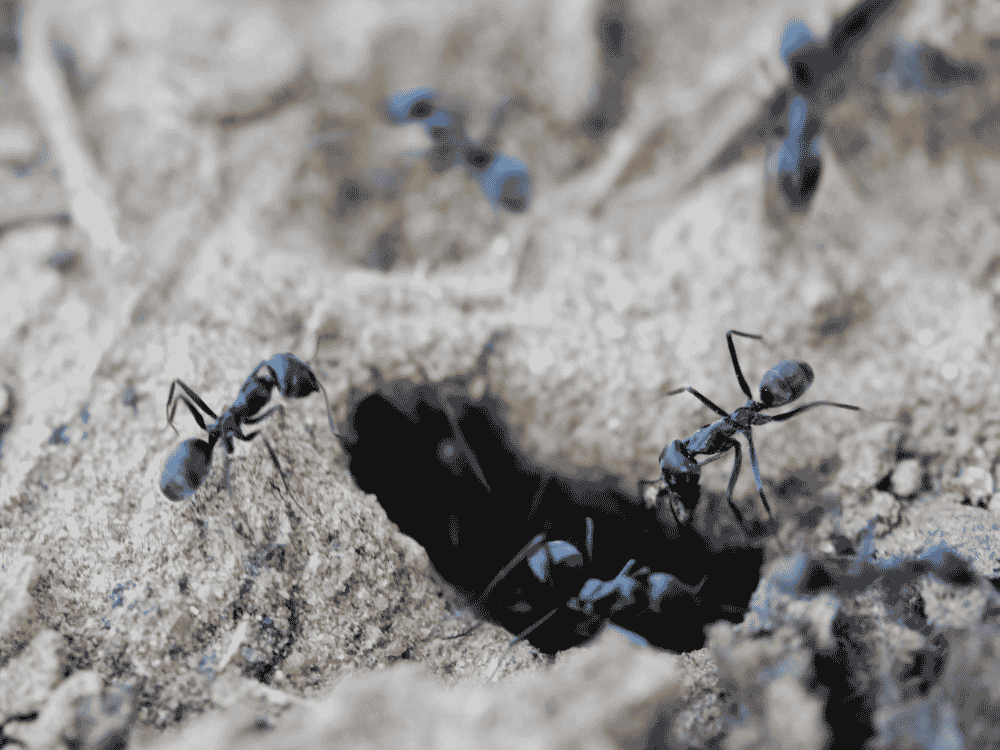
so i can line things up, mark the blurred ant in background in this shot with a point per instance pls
(504, 180)
(822, 75)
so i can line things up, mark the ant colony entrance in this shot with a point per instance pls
(531, 549)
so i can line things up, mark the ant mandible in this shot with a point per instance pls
(189, 462)
(785, 382)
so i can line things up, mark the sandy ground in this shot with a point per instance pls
(204, 154)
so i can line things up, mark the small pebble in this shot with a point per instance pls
(907, 477)
(884, 505)
(860, 510)
(867, 457)
(976, 482)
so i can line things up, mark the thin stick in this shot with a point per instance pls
(89, 196)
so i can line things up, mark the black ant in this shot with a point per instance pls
(785, 382)
(503, 179)
(189, 463)
(561, 566)
(858, 567)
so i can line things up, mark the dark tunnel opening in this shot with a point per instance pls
(401, 447)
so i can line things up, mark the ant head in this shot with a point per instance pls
(404, 107)
(295, 378)
(795, 36)
(681, 472)
(185, 469)
(785, 382)
(506, 182)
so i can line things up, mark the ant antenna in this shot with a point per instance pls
(526, 551)
(538, 496)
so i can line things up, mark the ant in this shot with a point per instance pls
(822, 74)
(504, 180)
(189, 462)
(599, 601)
(856, 567)
(561, 565)
(798, 164)
(782, 384)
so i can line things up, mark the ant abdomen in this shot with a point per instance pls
(785, 382)
(185, 469)
(505, 180)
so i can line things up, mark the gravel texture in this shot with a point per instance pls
(212, 143)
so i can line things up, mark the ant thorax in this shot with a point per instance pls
(715, 437)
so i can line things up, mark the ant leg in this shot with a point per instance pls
(460, 635)
(225, 470)
(329, 414)
(538, 496)
(261, 418)
(589, 538)
(756, 473)
(682, 519)
(466, 450)
(692, 591)
(195, 414)
(274, 458)
(716, 457)
(736, 362)
(526, 551)
(737, 465)
(193, 396)
(170, 397)
(793, 412)
(525, 633)
(501, 116)
(717, 409)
